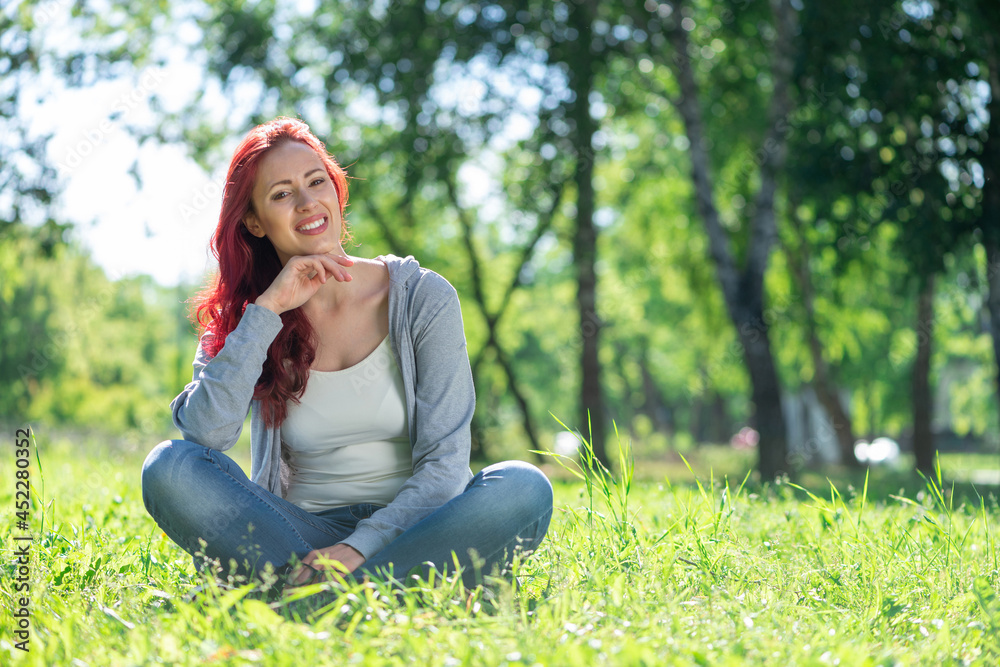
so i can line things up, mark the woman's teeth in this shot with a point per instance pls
(312, 225)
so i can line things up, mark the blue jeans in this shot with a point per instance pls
(199, 494)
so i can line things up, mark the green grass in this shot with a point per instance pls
(633, 572)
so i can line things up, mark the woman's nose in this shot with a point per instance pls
(305, 200)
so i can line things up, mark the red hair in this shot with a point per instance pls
(248, 265)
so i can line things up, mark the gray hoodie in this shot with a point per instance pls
(428, 341)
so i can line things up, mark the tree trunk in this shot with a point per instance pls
(923, 400)
(743, 290)
(823, 384)
(721, 428)
(694, 424)
(653, 404)
(990, 161)
(839, 420)
(585, 236)
(873, 421)
(993, 298)
(766, 396)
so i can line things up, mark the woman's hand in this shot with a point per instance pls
(300, 278)
(348, 556)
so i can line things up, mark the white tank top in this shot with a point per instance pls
(348, 436)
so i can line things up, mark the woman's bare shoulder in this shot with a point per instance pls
(372, 273)
(370, 264)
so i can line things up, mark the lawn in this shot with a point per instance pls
(658, 571)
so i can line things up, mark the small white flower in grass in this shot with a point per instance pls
(747, 621)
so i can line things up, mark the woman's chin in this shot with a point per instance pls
(315, 248)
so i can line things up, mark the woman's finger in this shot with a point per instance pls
(312, 267)
(304, 570)
(341, 259)
(336, 266)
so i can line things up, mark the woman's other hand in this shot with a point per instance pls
(300, 279)
(318, 559)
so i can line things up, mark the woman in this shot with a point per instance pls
(356, 376)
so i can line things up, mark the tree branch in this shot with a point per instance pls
(764, 230)
(475, 266)
(491, 318)
(390, 237)
(688, 107)
(543, 226)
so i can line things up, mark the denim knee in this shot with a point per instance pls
(528, 498)
(161, 470)
(530, 487)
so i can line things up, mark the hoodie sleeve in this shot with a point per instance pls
(445, 402)
(213, 406)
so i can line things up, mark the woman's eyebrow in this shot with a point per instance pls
(289, 182)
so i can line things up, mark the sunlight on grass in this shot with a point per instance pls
(657, 571)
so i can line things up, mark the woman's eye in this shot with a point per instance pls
(279, 195)
(317, 181)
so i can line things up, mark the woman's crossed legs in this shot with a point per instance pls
(197, 494)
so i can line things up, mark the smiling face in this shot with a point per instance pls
(295, 203)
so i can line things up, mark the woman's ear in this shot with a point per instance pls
(253, 225)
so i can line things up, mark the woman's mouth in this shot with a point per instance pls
(315, 227)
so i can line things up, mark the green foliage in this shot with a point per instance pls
(82, 351)
(411, 95)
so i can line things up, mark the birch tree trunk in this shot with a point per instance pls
(743, 288)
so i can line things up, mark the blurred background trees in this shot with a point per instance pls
(687, 217)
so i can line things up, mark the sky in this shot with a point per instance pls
(161, 228)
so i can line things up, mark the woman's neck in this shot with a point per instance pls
(369, 276)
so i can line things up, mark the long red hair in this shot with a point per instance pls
(248, 265)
